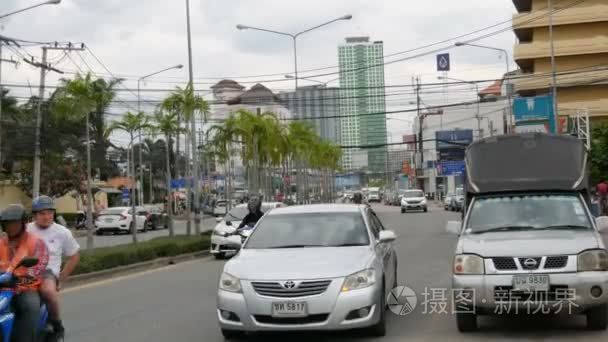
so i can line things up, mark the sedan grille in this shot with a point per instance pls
(311, 319)
(306, 288)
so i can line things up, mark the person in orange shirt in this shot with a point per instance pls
(14, 247)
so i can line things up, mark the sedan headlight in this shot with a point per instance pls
(359, 280)
(593, 260)
(468, 264)
(230, 283)
(219, 233)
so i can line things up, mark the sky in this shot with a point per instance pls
(138, 37)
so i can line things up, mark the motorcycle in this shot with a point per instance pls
(7, 315)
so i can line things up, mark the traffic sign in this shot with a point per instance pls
(126, 194)
(443, 62)
(452, 167)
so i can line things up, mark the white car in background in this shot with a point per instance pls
(118, 220)
(227, 225)
(413, 200)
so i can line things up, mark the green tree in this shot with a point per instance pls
(132, 124)
(599, 153)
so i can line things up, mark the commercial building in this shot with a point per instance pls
(362, 102)
(488, 119)
(580, 37)
(317, 104)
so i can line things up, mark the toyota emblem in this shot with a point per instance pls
(289, 284)
(530, 263)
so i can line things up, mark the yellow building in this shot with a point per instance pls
(580, 36)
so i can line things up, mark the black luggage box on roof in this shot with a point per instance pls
(526, 162)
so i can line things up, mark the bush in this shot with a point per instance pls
(105, 258)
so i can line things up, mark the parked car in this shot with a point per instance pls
(117, 220)
(157, 218)
(228, 225)
(528, 239)
(413, 200)
(373, 195)
(220, 208)
(315, 267)
(447, 201)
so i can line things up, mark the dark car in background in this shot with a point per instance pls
(157, 218)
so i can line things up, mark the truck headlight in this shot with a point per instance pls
(592, 260)
(468, 264)
(359, 280)
(230, 283)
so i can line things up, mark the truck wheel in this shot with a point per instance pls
(597, 317)
(466, 322)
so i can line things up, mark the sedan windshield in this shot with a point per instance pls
(527, 212)
(309, 230)
(413, 194)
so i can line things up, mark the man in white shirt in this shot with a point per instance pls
(60, 243)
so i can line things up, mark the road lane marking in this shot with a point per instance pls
(129, 276)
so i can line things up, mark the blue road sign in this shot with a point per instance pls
(126, 194)
(452, 167)
(443, 62)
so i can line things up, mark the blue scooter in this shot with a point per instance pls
(7, 316)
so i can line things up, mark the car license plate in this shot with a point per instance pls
(531, 282)
(289, 309)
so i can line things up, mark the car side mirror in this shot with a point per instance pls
(28, 262)
(218, 219)
(234, 241)
(453, 227)
(387, 236)
(602, 223)
(228, 223)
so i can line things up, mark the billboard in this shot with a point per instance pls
(457, 139)
(451, 168)
(536, 111)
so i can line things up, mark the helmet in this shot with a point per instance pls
(43, 203)
(358, 198)
(14, 212)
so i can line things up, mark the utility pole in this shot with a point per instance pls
(420, 121)
(553, 67)
(2, 91)
(151, 186)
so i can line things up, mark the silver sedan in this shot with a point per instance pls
(315, 267)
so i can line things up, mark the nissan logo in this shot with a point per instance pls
(289, 284)
(530, 263)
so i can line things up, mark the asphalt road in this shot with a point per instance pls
(178, 303)
(113, 240)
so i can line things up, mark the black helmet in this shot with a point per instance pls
(41, 203)
(358, 198)
(14, 212)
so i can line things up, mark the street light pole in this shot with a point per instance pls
(507, 81)
(294, 37)
(553, 67)
(50, 2)
(141, 172)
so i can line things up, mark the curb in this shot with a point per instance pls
(82, 279)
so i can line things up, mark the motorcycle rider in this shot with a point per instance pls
(60, 243)
(254, 205)
(358, 198)
(14, 247)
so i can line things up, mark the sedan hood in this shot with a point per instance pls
(299, 263)
(528, 243)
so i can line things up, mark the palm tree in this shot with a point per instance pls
(132, 124)
(167, 123)
(190, 105)
(301, 136)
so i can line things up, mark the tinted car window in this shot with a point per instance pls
(318, 229)
(412, 194)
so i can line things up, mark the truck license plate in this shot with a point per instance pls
(289, 309)
(531, 282)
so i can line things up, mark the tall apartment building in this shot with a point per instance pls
(317, 104)
(580, 36)
(362, 94)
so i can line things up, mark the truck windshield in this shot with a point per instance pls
(527, 212)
